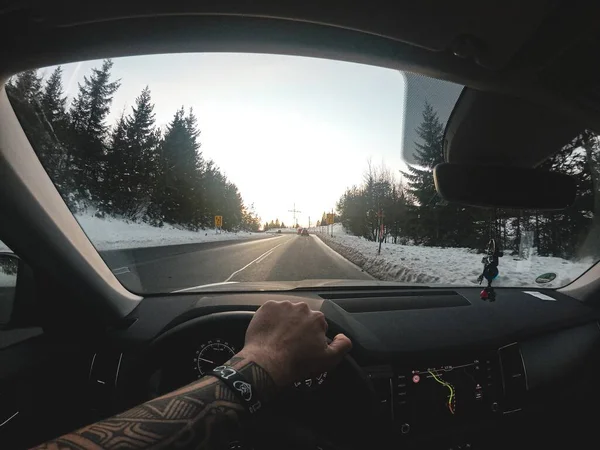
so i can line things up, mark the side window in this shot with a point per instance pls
(8, 282)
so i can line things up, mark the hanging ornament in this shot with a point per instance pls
(490, 270)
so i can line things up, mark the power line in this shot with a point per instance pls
(295, 211)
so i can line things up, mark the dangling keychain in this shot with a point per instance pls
(490, 270)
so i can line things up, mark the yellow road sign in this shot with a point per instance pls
(330, 219)
(218, 221)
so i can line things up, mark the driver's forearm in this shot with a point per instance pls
(205, 415)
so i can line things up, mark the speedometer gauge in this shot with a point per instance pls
(211, 354)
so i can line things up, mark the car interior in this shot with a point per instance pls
(76, 346)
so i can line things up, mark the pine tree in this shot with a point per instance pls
(324, 218)
(587, 202)
(179, 188)
(54, 153)
(116, 201)
(132, 157)
(429, 153)
(432, 215)
(53, 100)
(88, 123)
(27, 85)
(44, 120)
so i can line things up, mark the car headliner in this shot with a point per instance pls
(522, 48)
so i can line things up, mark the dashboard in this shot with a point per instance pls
(447, 370)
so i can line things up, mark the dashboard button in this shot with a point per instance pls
(404, 428)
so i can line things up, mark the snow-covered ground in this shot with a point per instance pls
(113, 233)
(457, 266)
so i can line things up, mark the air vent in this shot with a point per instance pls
(514, 377)
(382, 379)
(356, 302)
(103, 377)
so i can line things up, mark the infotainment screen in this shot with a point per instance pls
(445, 394)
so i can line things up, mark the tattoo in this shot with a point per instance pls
(202, 415)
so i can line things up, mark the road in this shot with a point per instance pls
(279, 258)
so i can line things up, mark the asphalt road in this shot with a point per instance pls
(278, 258)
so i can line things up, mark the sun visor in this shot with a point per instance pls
(493, 129)
(504, 187)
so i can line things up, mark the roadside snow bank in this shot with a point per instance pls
(449, 266)
(113, 233)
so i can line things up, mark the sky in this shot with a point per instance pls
(287, 130)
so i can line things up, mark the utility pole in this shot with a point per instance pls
(308, 221)
(332, 222)
(295, 211)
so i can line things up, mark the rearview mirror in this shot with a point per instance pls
(9, 267)
(504, 187)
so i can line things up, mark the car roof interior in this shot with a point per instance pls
(535, 54)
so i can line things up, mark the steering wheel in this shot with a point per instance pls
(347, 383)
(350, 422)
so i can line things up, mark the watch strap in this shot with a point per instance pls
(240, 386)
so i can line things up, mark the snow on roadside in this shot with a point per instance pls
(113, 233)
(448, 266)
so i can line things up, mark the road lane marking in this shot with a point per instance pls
(227, 281)
(264, 255)
(183, 251)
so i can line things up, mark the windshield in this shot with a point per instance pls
(194, 170)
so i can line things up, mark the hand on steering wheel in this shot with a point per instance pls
(288, 341)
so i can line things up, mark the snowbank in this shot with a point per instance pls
(449, 266)
(112, 233)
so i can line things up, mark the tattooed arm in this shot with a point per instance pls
(284, 341)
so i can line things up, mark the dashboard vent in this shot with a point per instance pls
(357, 302)
(514, 377)
(103, 376)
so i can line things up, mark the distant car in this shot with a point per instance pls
(299, 230)
(278, 231)
(304, 232)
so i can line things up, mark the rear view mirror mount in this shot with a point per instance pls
(504, 187)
